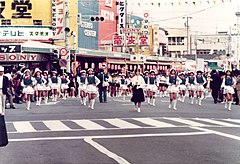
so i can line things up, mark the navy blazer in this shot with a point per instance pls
(6, 84)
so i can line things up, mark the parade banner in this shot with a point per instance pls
(25, 12)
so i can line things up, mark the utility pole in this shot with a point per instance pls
(187, 25)
(67, 34)
(238, 15)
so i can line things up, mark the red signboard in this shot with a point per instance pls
(131, 40)
(107, 28)
(117, 40)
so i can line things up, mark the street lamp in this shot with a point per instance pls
(238, 15)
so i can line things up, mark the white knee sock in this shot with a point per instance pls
(230, 105)
(175, 104)
(93, 102)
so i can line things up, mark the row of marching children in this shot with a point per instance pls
(41, 84)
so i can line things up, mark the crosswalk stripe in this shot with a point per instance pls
(56, 125)
(233, 120)
(90, 125)
(155, 123)
(121, 123)
(217, 122)
(187, 122)
(24, 126)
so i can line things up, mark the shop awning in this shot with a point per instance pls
(34, 46)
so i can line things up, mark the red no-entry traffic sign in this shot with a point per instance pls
(62, 62)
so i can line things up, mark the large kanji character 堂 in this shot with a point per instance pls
(21, 7)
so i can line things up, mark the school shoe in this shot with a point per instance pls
(37, 103)
(192, 100)
(170, 105)
(138, 110)
(200, 102)
(226, 105)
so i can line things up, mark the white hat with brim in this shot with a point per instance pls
(27, 70)
(54, 72)
(37, 70)
(90, 69)
(83, 71)
(1, 69)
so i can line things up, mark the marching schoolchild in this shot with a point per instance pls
(182, 86)
(161, 80)
(124, 86)
(152, 87)
(46, 86)
(64, 85)
(82, 81)
(39, 87)
(92, 90)
(145, 87)
(54, 82)
(228, 86)
(173, 81)
(191, 86)
(199, 83)
(28, 82)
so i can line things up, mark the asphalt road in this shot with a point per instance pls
(68, 133)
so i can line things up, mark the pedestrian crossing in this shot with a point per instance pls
(116, 123)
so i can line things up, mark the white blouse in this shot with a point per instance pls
(138, 80)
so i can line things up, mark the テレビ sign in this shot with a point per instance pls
(25, 33)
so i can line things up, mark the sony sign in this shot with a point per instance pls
(18, 57)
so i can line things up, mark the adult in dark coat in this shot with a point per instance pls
(4, 89)
(215, 85)
(103, 77)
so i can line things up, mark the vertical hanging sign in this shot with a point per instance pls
(58, 19)
(146, 23)
(121, 15)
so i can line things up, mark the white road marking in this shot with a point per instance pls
(233, 120)
(56, 125)
(154, 123)
(111, 136)
(105, 151)
(218, 133)
(24, 126)
(50, 103)
(165, 101)
(121, 123)
(88, 124)
(217, 122)
(187, 122)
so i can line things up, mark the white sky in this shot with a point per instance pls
(215, 17)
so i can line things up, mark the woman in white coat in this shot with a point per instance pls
(138, 95)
